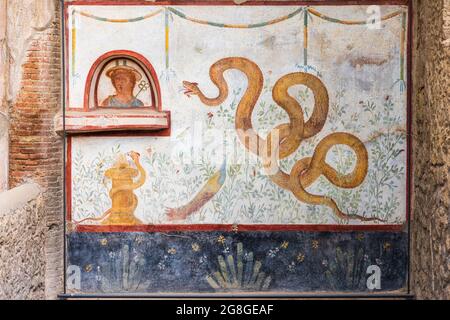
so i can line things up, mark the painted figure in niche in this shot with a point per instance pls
(124, 79)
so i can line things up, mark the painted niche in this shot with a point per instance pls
(122, 80)
(122, 93)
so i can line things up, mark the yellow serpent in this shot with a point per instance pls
(306, 170)
(131, 202)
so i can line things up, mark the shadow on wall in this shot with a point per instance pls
(22, 228)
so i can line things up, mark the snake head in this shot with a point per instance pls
(134, 155)
(191, 88)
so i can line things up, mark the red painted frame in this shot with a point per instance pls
(116, 54)
(255, 227)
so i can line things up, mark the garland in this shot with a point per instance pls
(307, 13)
(236, 26)
(147, 16)
(351, 22)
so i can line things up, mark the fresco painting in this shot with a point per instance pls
(290, 135)
(285, 164)
(126, 80)
(124, 201)
(236, 262)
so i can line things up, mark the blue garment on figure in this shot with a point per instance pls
(114, 102)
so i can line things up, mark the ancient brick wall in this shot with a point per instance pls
(431, 101)
(35, 149)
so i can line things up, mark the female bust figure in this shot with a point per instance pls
(124, 80)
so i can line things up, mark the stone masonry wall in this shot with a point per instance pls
(431, 109)
(22, 232)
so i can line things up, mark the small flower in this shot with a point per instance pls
(161, 265)
(172, 251)
(300, 257)
(112, 255)
(221, 240)
(88, 268)
(104, 242)
(226, 250)
(285, 245)
(210, 115)
(139, 239)
(378, 261)
(366, 257)
(203, 259)
(360, 237)
(315, 244)
(386, 246)
(325, 263)
(291, 267)
(195, 247)
(273, 253)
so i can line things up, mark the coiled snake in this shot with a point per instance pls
(291, 135)
(124, 201)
